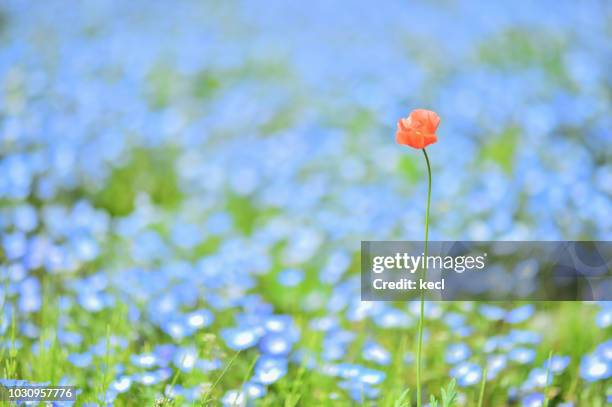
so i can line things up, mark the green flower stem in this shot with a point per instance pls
(422, 294)
(483, 384)
(546, 399)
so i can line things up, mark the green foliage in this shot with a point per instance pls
(148, 171)
(448, 396)
(408, 167)
(403, 400)
(206, 84)
(483, 384)
(501, 149)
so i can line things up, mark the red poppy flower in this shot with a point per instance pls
(418, 130)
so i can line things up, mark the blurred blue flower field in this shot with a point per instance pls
(184, 187)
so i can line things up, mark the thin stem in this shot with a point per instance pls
(422, 294)
(483, 384)
(546, 400)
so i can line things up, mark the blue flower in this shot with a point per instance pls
(200, 318)
(370, 376)
(254, 390)
(233, 398)
(80, 360)
(492, 312)
(467, 374)
(359, 391)
(290, 277)
(185, 359)
(537, 378)
(594, 367)
(604, 350)
(25, 218)
(519, 314)
(279, 323)
(374, 352)
(178, 328)
(145, 360)
(149, 378)
(457, 352)
(240, 338)
(604, 318)
(269, 369)
(524, 337)
(15, 245)
(557, 363)
(122, 384)
(495, 364)
(522, 355)
(533, 400)
(275, 344)
(393, 318)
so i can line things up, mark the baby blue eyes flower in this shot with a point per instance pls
(254, 390)
(200, 319)
(154, 377)
(524, 337)
(209, 365)
(393, 318)
(369, 376)
(30, 299)
(336, 266)
(186, 359)
(278, 323)
(69, 338)
(275, 344)
(80, 360)
(145, 360)
(537, 378)
(218, 223)
(233, 398)
(604, 318)
(557, 363)
(492, 312)
(178, 328)
(290, 277)
(456, 353)
(359, 391)
(495, 364)
(374, 352)
(594, 367)
(122, 384)
(333, 352)
(454, 320)
(533, 400)
(604, 350)
(324, 324)
(186, 235)
(467, 374)
(15, 245)
(522, 355)
(25, 218)
(519, 314)
(240, 338)
(269, 369)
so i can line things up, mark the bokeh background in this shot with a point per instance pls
(184, 187)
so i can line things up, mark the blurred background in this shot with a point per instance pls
(175, 169)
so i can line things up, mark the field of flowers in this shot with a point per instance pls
(184, 187)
